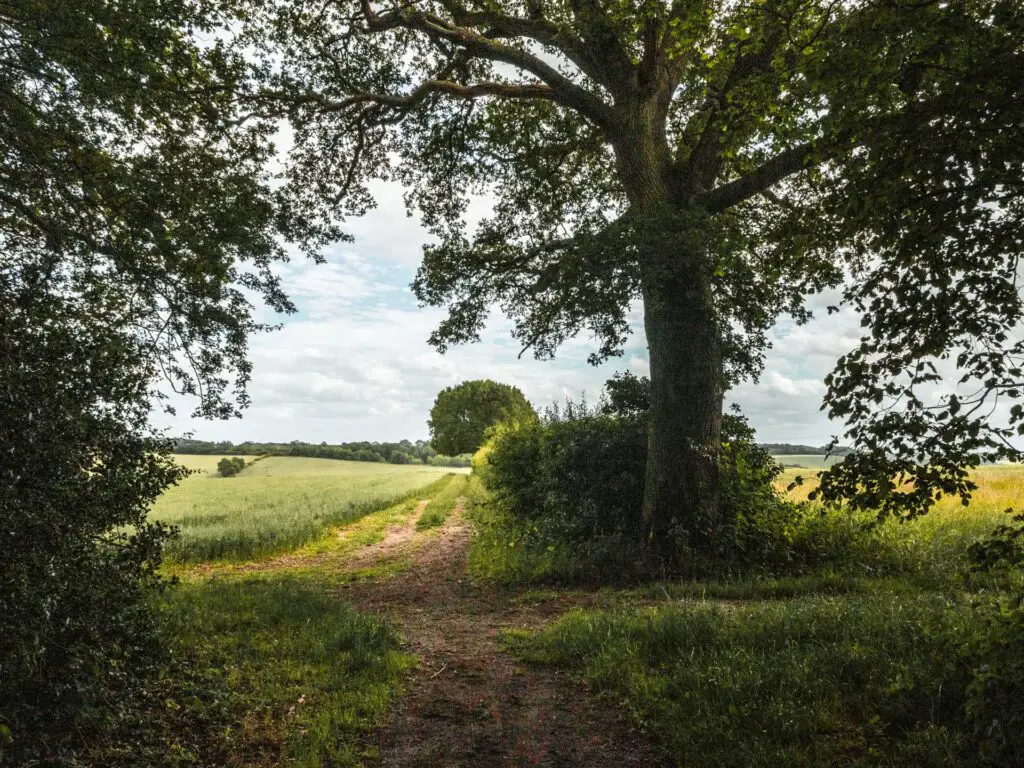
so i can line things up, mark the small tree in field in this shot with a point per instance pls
(230, 466)
(462, 414)
(718, 160)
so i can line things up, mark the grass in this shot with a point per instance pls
(812, 681)
(265, 670)
(879, 653)
(278, 503)
(443, 503)
(267, 665)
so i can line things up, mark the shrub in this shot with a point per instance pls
(77, 557)
(575, 478)
(229, 467)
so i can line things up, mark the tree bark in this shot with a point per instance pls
(687, 387)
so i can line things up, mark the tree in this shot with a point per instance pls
(230, 466)
(461, 415)
(719, 162)
(137, 222)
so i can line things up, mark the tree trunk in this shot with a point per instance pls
(684, 438)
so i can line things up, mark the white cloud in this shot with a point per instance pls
(354, 363)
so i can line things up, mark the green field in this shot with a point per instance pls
(810, 461)
(277, 503)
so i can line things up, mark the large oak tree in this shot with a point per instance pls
(716, 159)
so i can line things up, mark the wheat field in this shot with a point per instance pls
(277, 503)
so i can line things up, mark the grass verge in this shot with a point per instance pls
(265, 670)
(862, 680)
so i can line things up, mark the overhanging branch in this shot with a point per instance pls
(476, 45)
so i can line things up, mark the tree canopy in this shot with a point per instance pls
(138, 224)
(462, 414)
(719, 161)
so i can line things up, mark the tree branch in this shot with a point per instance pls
(596, 62)
(563, 90)
(418, 94)
(768, 174)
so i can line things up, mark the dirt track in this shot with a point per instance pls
(468, 703)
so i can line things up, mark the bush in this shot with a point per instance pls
(575, 479)
(229, 467)
(77, 557)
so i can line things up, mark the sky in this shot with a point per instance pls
(354, 364)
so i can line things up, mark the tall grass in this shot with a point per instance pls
(279, 503)
(864, 680)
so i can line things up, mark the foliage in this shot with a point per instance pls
(718, 161)
(137, 223)
(229, 467)
(575, 479)
(402, 452)
(993, 704)
(131, 188)
(281, 503)
(1003, 548)
(932, 230)
(78, 556)
(462, 414)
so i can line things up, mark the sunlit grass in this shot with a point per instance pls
(278, 503)
(443, 504)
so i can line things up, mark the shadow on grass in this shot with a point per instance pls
(266, 669)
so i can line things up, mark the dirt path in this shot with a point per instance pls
(468, 703)
(396, 541)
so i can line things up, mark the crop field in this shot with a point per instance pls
(277, 503)
(809, 461)
(999, 487)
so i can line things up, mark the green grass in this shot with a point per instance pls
(443, 503)
(278, 503)
(862, 656)
(862, 680)
(268, 669)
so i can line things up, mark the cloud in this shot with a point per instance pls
(354, 364)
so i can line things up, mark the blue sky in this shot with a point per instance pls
(353, 363)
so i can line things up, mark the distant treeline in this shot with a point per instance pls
(788, 449)
(404, 452)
